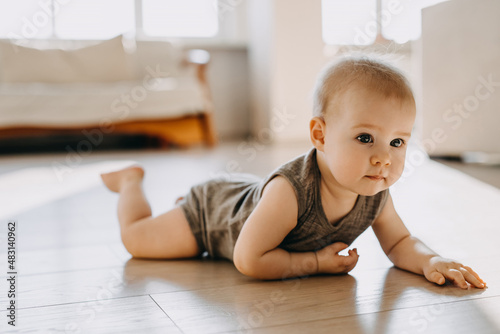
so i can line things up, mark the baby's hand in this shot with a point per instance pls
(330, 262)
(439, 269)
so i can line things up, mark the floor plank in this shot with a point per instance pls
(486, 173)
(464, 317)
(136, 277)
(265, 304)
(71, 259)
(101, 316)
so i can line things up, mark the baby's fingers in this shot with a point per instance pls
(338, 247)
(347, 263)
(436, 277)
(471, 278)
(475, 274)
(352, 258)
(456, 277)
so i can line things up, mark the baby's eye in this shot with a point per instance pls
(397, 142)
(365, 138)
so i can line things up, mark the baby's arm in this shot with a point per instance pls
(256, 253)
(409, 253)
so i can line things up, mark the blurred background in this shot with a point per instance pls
(197, 89)
(66, 77)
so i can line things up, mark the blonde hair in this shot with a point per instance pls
(365, 71)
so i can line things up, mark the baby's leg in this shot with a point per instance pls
(167, 236)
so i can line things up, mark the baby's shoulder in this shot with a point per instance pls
(280, 185)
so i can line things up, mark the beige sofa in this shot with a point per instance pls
(116, 86)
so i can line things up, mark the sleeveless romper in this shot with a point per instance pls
(217, 209)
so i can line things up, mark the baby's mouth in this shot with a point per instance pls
(375, 177)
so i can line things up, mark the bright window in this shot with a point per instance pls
(186, 18)
(103, 19)
(94, 19)
(346, 22)
(25, 19)
(357, 22)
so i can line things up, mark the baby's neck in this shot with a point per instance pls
(334, 207)
(336, 201)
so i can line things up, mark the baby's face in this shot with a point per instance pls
(366, 141)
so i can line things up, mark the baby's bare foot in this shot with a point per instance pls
(115, 180)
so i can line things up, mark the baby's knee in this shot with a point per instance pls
(130, 242)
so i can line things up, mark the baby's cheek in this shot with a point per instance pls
(351, 176)
(347, 166)
(340, 174)
(391, 180)
(396, 173)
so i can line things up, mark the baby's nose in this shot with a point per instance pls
(380, 158)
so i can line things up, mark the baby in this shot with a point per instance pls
(295, 221)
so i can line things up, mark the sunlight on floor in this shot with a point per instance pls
(31, 187)
(490, 310)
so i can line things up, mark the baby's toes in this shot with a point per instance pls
(114, 180)
(110, 181)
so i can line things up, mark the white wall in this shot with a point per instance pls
(285, 55)
(298, 57)
(228, 73)
(229, 85)
(460, 51)
(260, 38)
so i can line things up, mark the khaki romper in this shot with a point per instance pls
(217, 209)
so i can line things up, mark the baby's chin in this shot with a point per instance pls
(372, 191)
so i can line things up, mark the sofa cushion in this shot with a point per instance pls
(89, 104)
(103, 62)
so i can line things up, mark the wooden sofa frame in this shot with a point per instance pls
(183, 132)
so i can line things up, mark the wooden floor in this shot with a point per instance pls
(74, 276)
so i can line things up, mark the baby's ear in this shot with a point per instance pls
(317, 129)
